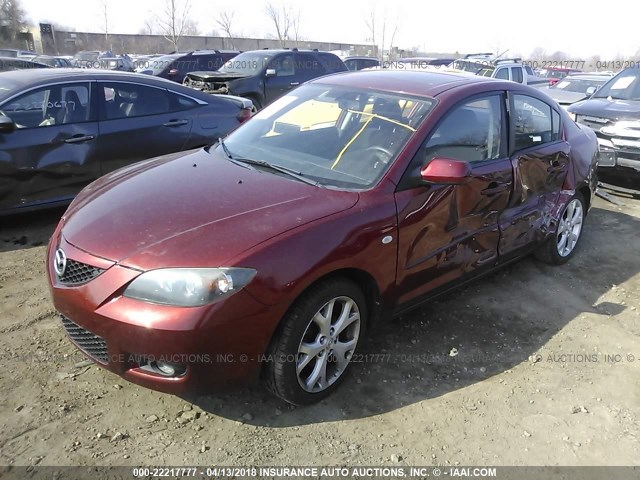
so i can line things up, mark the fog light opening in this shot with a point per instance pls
(164, 369)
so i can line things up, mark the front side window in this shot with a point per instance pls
(283, 65)
(52, 105)
(471, 132)
(533, 122)
(128, 100)
(340, 137)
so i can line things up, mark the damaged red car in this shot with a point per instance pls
(270, 255)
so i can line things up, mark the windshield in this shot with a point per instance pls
(577, 85)
(624, 86)
(87, 56)
(339, 137)
(6, 88)
(249, 63)
(486, 72)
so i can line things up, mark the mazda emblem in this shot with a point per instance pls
(60, 262)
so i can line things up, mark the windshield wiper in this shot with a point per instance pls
(236, 161)
(287, 171)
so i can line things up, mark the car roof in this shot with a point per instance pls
(411, 82)
(35, 77)
(362, 57)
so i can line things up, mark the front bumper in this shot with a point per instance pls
(220, 345)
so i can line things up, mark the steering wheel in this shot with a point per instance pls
(382, 154)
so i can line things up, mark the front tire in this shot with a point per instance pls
(561, 246)
(311, 354)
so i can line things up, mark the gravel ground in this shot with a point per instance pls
(533, 365)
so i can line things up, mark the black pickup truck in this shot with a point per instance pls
(265, 75)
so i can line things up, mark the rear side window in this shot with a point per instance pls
(533, 122)
(307, 64)
(126, 100)
(331, 62)
(517, 74)
(471, 132)
(555, 123)
(503, 74)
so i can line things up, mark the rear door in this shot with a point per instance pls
(540, 158)
(52, 154)
(450, 232)
(139, 122)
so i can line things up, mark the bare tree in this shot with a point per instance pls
(378, 30)
(281, 21)
(225, 21)
(295, 26)
(147, 29)
(371, 25)
(12, 20)
(538, 54)
(173, 20)
(104, 14)
(191, 28)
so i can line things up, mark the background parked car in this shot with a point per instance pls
(121, 64)
(90, 58)
(10, 63)
(555, 74)
(359, 63)
(511, 69)
(176, 66)
(576, 87)
(14, 53)
(421, 62)
(52, 61)
(265, 75)
(613, 112)
(62, 128)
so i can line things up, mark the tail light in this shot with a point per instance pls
(244, 114)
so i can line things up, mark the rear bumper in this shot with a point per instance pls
(220, 345)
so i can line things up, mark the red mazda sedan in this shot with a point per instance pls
(272, 253)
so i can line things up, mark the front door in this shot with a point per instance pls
(450, 232)
(52, 153)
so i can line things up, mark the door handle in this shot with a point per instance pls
(175, 123)
(294, 84)
(494, 188)
(79, 138)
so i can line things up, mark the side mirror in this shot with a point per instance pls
(271, 72)
(6, 124)
(590, 91)
(447, 171)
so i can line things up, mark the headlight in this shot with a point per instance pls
(609, 129)
(189, 287)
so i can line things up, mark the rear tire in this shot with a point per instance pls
(311, 354)
(562, 245)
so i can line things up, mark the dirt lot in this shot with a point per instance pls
(547, 371)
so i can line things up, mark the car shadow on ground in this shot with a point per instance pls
(28, 230)
(465, 337)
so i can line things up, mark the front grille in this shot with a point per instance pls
(77, 273)
(89, 343)
(595, 123)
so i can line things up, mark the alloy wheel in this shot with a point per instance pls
(328, 344)
(570, 228)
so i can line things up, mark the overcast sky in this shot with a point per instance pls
(579, 28)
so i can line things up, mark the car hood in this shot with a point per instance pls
(194, 209)
(216, 76)
(611, 109)
(564, 97)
